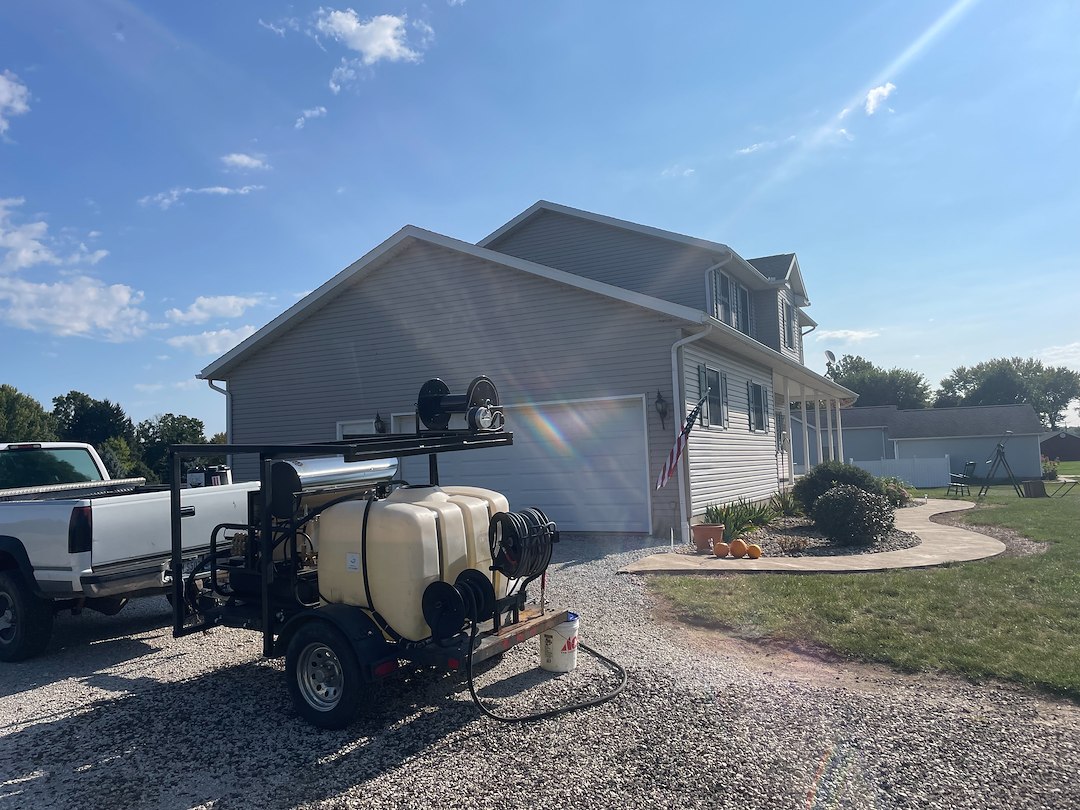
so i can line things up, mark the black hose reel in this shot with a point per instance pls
(446, 606)
(435, 406)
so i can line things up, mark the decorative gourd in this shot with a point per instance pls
(753, 551)
(720, 548)
(738, 548)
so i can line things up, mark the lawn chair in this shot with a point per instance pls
(960, 482)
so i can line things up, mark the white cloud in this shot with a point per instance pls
(240, 160)
(878, 95)
(25, 244)
(314, 112)
(166, 199)
(216, 306)
(427, 33)
(843, 133)
(277, 29)
(208, 343)
(764, 146)
(83, 255)
(455, 2)
(1065, 355)
(147, 388)
(14, 98)
(342, 75)
(80, 306)
(676, 171)
(381, 37)
(847, 335)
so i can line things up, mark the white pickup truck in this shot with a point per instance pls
(72, 537)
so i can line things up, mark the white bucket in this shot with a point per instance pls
(558, 646)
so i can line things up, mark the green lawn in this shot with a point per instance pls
(1013, 618)
(1069, 468)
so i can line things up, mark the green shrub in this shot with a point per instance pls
(739, 517)
(848, 514)
(898, 492)
(827, 475)
(784, 503)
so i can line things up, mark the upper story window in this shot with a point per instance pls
(731, 302)
(789, 325)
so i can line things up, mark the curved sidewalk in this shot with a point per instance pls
(940, 544)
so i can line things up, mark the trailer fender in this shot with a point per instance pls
(13, 558)
(357, 626)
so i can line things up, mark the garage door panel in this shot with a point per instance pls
(584, 464)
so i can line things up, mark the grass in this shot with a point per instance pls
(1069, 468)
(1011, 618)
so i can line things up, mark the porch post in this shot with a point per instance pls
(805, 431)
(828, 421)
(787, 437)
(817, 428)
(839, 432)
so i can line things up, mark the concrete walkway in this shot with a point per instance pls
(940, 544)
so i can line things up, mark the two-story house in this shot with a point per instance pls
(600, 335)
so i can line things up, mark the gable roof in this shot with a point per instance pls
(400, 241)
(723, 252)
(783, 267)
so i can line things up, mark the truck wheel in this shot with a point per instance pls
(323, 674)
(25, 620)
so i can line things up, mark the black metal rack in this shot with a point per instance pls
(366, 448)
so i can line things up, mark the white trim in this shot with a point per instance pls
(340, 427)
(998, 436)
(403, 239)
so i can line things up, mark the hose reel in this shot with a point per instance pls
(521, 543)
(446, 606)
(435, 405)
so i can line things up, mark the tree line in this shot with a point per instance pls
(129, 450)
(1002, 381)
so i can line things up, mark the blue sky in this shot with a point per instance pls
(174, 175)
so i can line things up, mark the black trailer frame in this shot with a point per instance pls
(363, 448)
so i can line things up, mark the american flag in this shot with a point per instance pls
(680, 444)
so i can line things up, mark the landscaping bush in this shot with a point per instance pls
(848, 514)
(739, 517)
(898, 492)
(784, 503)
(1049, 469)
(827, 475)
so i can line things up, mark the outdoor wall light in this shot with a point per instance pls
(380, 425)
(661, 408)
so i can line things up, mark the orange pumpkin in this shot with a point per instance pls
(738, 548)
(753, 551)
(720, 548)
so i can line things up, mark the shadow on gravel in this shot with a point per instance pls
(228, 736)
(83, 645)
(579, 549)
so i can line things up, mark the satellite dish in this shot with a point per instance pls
(830, 356)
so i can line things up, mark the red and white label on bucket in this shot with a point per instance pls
(571, 644)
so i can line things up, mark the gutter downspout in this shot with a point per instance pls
(228, 415)
(677, 396)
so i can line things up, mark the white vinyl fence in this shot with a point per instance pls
(919, 472)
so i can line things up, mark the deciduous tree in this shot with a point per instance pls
(1011, 381)
(877, 386)
(22, 419)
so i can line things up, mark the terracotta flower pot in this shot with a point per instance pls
(705, 534)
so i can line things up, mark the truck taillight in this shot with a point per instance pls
(80, 530)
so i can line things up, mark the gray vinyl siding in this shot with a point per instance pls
(866, 444)
(433, 312)
(732, 462)
(1022, 453)
(633, 261)
(768, 325)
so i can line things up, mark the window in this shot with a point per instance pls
(789, 325)
(755, 398)
(731, 302)
(36, 466)
(714, 411)
(356, 429)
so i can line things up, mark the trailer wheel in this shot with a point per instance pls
(323, 674)
(25, 620)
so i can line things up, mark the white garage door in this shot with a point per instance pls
(584, 463)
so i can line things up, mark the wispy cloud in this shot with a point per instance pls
(847, 336)
(166, 199)
(314, 112)
(764, 146)
(878, 95)
(80, 306)
(241, 160)
(214, 342)
(382, 38)
(27, 244)
(206, 307)
(677, 171)
(14, 98)
(1067, 354)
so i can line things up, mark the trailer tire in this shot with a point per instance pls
(323, 675)
(26, 620)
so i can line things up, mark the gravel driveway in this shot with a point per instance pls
(118, 714)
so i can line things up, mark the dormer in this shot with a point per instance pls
(779, 311)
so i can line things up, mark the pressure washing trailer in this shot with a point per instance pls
(347, 570)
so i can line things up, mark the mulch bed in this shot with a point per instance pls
(797, 537)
